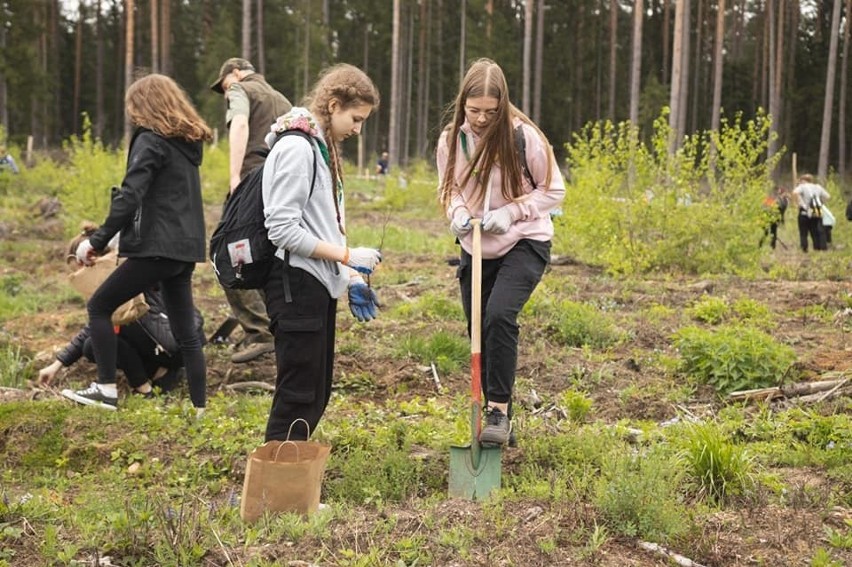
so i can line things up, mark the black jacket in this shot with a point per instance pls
(157, 335)
(158, 208)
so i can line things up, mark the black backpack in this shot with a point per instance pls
(240, 249)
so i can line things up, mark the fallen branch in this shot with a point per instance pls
(816, 398)
(660, 550)
(789, 391)
(436, 380)
(251, 385)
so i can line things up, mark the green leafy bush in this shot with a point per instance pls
(733, 358)
(709, 309)
(644, 208)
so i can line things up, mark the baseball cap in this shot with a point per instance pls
(227, 67)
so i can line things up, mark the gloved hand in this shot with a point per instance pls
(460, 224)
(85, 253)
(363, 301)
(498, 221)
(363, 260)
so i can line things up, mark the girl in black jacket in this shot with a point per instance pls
(158, 211)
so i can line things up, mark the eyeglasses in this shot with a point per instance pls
(476, 112)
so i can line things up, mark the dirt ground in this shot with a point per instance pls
(754, 533)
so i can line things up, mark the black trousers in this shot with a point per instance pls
(131, 278)
(507, 284)
(304, 331)
(813, 227)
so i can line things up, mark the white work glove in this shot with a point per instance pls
(460, 224)
(363, 260)
(85, 253)
(498, 221)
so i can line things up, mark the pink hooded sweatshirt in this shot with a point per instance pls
(531, 212)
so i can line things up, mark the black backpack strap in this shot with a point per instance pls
(285, 276)
(521, 146)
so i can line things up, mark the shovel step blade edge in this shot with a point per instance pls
(474, 482)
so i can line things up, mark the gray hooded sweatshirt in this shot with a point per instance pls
(296, 222)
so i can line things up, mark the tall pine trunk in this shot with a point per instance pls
(822, 168)
(636, 62)
(676, 83)
(613, 52)
(99, 73)
(261, 39)
(393, 127)
(841, 110)
(155, 37)
(527, 55)
(128, 59)
(166, 37)
(78, 65)
(246, 30)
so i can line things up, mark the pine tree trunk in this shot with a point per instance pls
(613, 45)
(99, 73)
(841, 110)
(636, 62)
(822, 169)
(677, 64)
(527, 55)
(539, 62)
(772, 70)
(78, 65)
(718, 61)
(393, 127)
(684, 73)
(246, 29)
(4, 93)
(128, 59)
(166, 37)
(261, 39)
(667, 25)
(420, 136)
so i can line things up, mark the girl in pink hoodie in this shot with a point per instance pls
(483, 175)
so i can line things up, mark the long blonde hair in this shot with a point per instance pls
(350, 86)
(484, 78)
(158, 103)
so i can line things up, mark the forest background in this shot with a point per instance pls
(569, 63)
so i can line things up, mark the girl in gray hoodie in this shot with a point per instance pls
(305, 217)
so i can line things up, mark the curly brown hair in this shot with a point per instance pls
(158, 103)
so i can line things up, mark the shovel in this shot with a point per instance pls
(474, 469)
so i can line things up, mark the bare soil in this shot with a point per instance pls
(756, 532)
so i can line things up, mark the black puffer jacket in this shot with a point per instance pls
(158, 208)
(157, 336)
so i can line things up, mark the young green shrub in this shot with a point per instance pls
(638, 495)
(753, 312)
(644, 208)
(733, 358)
(577, 404)
(15, 368)
(447, 350)
(93, 169)
(709, 309)
(717, 467)
(578, 324)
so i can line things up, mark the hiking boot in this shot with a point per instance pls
(497, 428)
(251, 352)
(92, 396)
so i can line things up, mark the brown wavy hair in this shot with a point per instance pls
(350, 86)
(158, 103)
(484, 77)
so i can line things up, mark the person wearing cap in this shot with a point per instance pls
(252, 106)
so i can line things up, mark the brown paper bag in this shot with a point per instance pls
(283, 476)
(88, 279)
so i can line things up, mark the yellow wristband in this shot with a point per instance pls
(346, 257)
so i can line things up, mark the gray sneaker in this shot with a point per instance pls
(92, 396)
(497, 428)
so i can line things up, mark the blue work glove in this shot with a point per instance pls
(363, 301)
(498, 221)
(363, 260)
(460, 224)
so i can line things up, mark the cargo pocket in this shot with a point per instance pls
(303, 342)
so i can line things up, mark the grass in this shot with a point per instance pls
(151, 485)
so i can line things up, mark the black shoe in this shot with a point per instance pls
(497, 428)
(149, 395)
(92, 396)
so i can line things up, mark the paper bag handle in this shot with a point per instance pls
(295, 421)
(288, 442)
